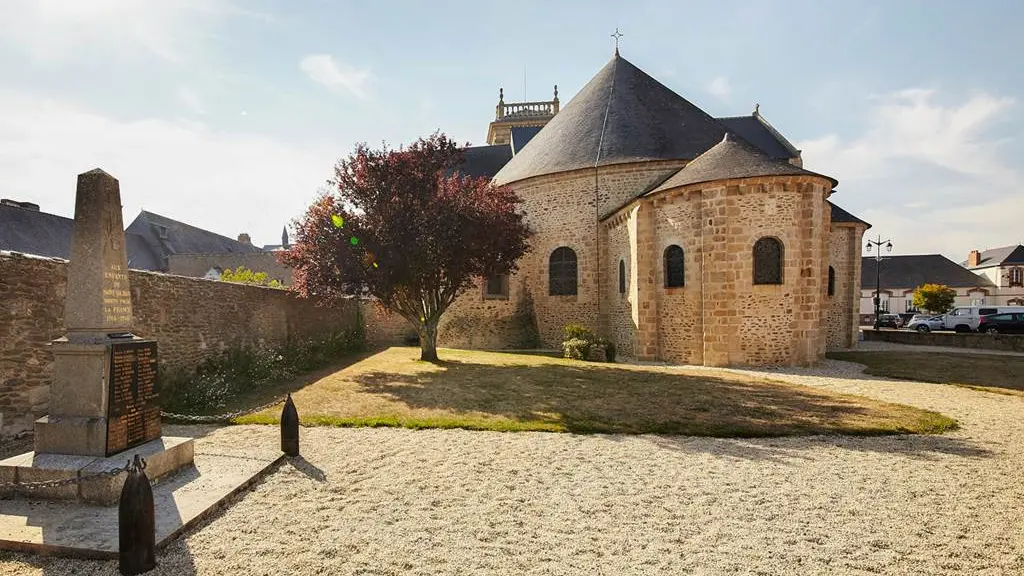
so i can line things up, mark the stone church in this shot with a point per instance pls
(679, 236)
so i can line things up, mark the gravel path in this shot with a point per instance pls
(388, 501)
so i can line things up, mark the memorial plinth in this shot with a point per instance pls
(104, 398)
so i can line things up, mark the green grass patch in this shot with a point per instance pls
(985, 372)
(507, 392)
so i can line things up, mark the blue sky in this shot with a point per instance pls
(229, 114)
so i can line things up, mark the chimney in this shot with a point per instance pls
(973, 259)
(244, 239)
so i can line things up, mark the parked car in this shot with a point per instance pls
(966, 318)
(1009, 323)
(889, 321)
(926, 323)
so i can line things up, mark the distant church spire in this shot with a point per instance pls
(617, 35)
(284, 237)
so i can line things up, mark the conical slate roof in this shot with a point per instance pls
(732, 158)
(621, 115)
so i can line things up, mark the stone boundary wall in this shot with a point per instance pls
(1008, 342)
(192, 319)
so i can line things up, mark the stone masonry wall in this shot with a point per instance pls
(562, 212)
(763, 324)
(841, 321)
(192, 319)
(680, 327)
(620, 324)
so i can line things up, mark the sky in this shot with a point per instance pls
(230, 114)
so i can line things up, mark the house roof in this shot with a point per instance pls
(521, 135)
(731, 158)
(33, 232)
(485, 161)
(914, 270)
(840, 215)
(1000, 256)
(621, 115)
(757, 131)
(167, 236)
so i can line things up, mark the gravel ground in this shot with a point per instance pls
(391, 501)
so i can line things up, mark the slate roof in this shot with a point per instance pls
(34, 232)
(909, 272)
(757, 131)
(521, 135)
(485, 160)
(1000, 256)
(840, 215)
(733, 157)
(181, 238)
(621, 115)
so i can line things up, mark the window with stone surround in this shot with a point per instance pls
(562, 272)
(768, 254)
(675, 276)
(622, 276)
(831, 281)
(496, 287)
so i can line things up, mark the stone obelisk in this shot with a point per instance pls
(103, 395)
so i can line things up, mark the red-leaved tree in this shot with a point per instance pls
(405, 227)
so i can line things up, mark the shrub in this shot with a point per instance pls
(576, 348)
(579, 341)
(609, 348)
(219, 380)
(578, 331)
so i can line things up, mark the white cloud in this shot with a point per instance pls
(68, 30)
(930, 176)
(720, 88)
(190, 98)
(220, 181)
(338, 76)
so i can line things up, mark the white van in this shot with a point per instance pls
(966, 318)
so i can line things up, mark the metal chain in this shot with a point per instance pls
(220, 417)
(67, 481)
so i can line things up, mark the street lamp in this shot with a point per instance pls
(878, 267)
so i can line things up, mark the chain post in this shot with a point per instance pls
(290, 428)
(136, 522)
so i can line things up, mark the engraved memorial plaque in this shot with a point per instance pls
(133, 408)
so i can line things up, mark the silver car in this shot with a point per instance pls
(926, 323)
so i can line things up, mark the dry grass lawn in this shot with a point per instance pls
(509, 391)
(990, 372)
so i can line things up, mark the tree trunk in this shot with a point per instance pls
(428, 342)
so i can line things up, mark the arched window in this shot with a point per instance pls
(831, 281)
(562, 272)
(622, 276)
(768, 261)
(674, 269)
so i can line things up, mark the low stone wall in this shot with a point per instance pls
(1008, 342)
(192, 319)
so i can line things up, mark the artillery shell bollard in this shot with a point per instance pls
(136, 522)
(289, 428)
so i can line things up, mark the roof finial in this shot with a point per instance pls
(556, 92)
(501, 95)
(757, 108)
(617, 35)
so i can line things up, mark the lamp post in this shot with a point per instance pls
(878, 266)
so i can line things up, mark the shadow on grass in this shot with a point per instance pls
(598, 398)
